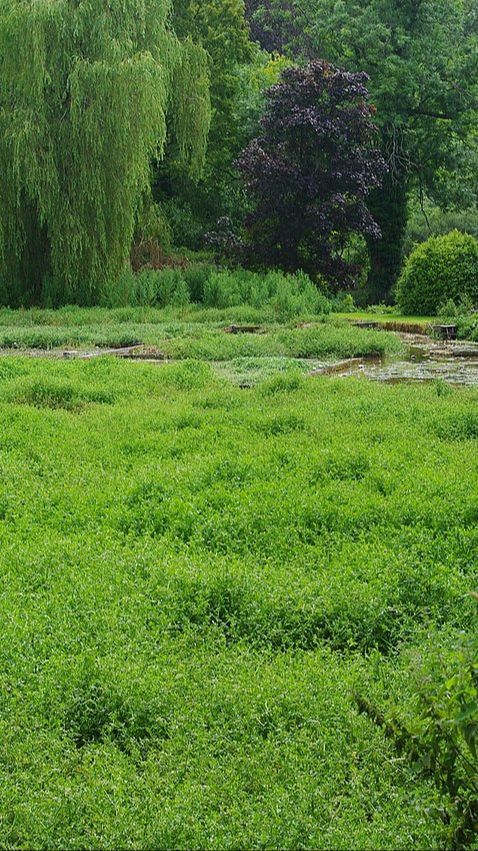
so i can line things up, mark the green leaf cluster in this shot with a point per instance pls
(235, 65)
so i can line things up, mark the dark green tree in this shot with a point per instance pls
(220, 27)
(87, 92)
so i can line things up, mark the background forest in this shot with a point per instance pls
(138, 135)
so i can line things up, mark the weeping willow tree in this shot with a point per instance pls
(89, 92)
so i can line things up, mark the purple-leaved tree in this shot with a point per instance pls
(308, 174)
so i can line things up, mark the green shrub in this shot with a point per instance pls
(288, 295)
(451, 310)
(444, 731)
(343, 302)
(196, 277)
(297, 295)
(222, 290)
(201, 283)
(467, 327)
(53, 292)
(146, 288)
(437, 727)
(132, 290)
(163, 287)
(170, 282)
(444, 267)
(119, 293)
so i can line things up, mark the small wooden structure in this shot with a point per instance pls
(445, 332)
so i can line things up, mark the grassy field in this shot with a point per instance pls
(191, 332)
(199, 582)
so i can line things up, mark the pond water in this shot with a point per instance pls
(426, 360)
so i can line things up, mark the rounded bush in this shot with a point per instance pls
(442, 268)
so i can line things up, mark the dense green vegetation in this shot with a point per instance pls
(238, 585)
(422, 59)
(440, 269)
(200, 587)
(194, 333)
(85, 104)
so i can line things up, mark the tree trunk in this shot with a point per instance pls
(388, 206)
(27, 263)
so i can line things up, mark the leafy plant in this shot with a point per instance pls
(308, 174)
(440, 269)
(446, 735)
(450, 309)
(442, 731)
(220, 28)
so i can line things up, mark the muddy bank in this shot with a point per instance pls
(137, 352)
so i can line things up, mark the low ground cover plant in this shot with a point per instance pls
(199, 581)
(197, 333)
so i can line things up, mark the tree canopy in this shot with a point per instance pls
(220, 28)
(422, 59)
(121, 121)
(309, 172)
(87, 93)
